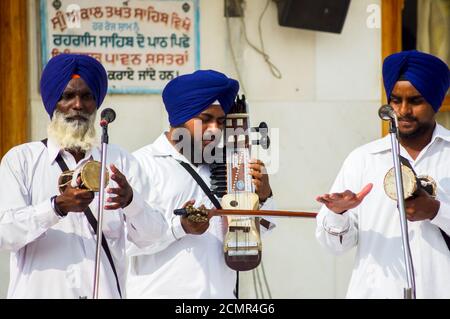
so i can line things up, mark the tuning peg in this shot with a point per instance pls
(262, 125)
(264, 141)
(214, 166)
(217, 172)
(215, 188)
(218, 178)
(218, 183)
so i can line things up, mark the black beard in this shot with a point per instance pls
(421, 130)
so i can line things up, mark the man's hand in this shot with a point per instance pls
(260, 179)
(421, 207)
(124, 191)
(191, 227)
(341, 202)
(74, 199)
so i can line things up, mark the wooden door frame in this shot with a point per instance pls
(391, 42)
(14, 73)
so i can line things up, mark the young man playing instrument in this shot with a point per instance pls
(416, 84)
(188, 261)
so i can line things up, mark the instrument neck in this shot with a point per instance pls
(238, 153)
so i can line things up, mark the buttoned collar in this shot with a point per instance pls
(54, 149)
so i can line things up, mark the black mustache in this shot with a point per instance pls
(407, 118)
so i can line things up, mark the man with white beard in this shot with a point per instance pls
(51, 234)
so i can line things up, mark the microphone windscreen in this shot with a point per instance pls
(108, 114)
(386, 112)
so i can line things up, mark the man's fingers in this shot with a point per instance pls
(114, 199)
(421, 192)
(112, 206)
(335, 196)
(257, 165)
(257, 183)
(258, 168)
(410, 214)
(83, 194)
(189, 203)
(322, 200)
(118, 177)
(114, 169)
(344, 200)
(409, 210)
(256, 161)
(256, 174)
(117, 191)
(366, 190)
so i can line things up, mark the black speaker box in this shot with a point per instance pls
(317, 15)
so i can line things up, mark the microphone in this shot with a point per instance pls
(107, 116)
(386, 113)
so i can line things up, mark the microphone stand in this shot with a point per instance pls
(101, 201)
(410, 291)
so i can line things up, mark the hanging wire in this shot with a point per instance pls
(233, 55)
(266, 283)
(273, 68)
(254, 284)
(259, 283)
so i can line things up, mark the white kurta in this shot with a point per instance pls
(54, 257)
(374, 226)
(179, 265)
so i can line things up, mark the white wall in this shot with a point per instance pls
(325, 105)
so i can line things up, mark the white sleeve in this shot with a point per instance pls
(442, 219)
(20, 222)
(173, 233)
(339, 232)
(145, 223)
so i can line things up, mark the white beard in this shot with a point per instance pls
(73, 135)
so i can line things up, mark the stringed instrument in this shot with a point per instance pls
(230, 181)
(242, 242)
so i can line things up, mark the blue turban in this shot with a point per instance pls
(427, 73)
(188, 95)
(58, 73)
